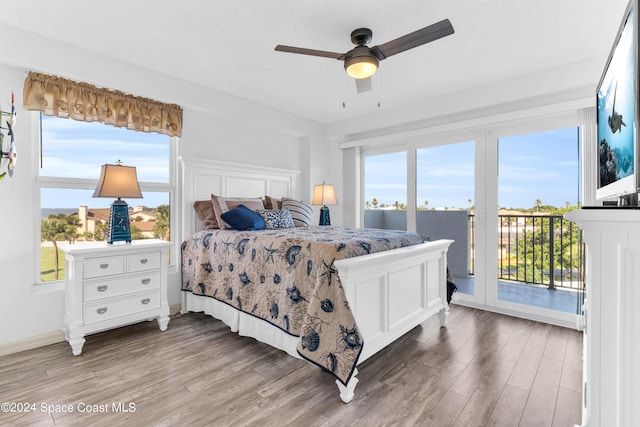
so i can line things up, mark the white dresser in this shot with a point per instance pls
(611, 355)
(108, 286)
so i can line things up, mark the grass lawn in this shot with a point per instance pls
(47, 264)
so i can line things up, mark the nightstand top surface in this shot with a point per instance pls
(104, 248)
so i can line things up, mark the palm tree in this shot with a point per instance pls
(59, 228)
(161, 229)
(136, 234)
(101, 231)
(538, 204)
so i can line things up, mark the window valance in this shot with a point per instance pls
(55, 96)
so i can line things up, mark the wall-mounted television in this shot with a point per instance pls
(617, 117)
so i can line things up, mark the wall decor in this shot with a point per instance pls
(8, 158)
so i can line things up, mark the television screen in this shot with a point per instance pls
(616, 103)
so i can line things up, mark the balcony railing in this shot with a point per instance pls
(533, 249)
(540, 249)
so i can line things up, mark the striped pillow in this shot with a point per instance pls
(301, 212)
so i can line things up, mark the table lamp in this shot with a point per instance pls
(118, 181)
(324, 194)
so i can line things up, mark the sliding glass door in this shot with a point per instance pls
(445, 194)
(385, 190)
(539, 254)
(500, 193)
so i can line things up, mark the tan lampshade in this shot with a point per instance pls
(118, 181)
(323, 194)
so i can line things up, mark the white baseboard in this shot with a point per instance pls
(31, 343)
(53, 337)
(571, 324)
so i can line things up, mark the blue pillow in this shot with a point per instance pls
(243, 218)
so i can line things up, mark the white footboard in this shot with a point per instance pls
(390, 293)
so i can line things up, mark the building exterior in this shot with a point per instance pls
(140, 217)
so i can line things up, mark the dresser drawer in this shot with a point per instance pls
(103, 266)
(116, 286)
(100, 311)
(143, 261)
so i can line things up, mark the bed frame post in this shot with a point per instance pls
(347, 392)
(184, 309)
(443, 315)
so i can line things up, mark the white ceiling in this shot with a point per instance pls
(228, 45)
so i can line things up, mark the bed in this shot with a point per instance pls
(333, 296)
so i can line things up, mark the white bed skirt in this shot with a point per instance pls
(242, 323)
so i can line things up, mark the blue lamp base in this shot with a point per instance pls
(119, 229)
(325, 219)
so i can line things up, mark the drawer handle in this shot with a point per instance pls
(102, 288)
(105, 265)
(144, 261)
(146, 281)
(102, 310)
(145, 301)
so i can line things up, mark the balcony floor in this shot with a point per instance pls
(559, 299)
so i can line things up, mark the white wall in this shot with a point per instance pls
(23, 313)
(216, 126)
(207, 135)
(221, 126)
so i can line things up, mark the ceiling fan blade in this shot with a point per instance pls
(312, 52)
(417, 38)
(363, 85)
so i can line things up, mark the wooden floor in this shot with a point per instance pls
(484, 369)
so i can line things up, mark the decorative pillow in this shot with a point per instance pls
(276, 218)
(204, 210)
(243, 218)
(223, 204)
(301, 212)
(272, 202)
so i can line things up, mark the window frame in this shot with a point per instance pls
(41, 182)
(485, 133)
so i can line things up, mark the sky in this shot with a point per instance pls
(75, 149)
(541, 166)
(534, 166)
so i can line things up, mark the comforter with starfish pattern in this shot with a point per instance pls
(287, 277)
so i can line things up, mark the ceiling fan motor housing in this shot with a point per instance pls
(361, 36)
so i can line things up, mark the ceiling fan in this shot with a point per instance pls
(362, 61)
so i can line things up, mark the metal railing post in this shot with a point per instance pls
(552, 270)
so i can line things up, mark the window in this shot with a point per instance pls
(385, 190)
(71, 154)
(538, 182)
(445, 175)
(499, 190)
(445, 193)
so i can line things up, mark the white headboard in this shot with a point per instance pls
(198, 179)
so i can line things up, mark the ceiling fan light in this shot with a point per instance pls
(361, 67)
